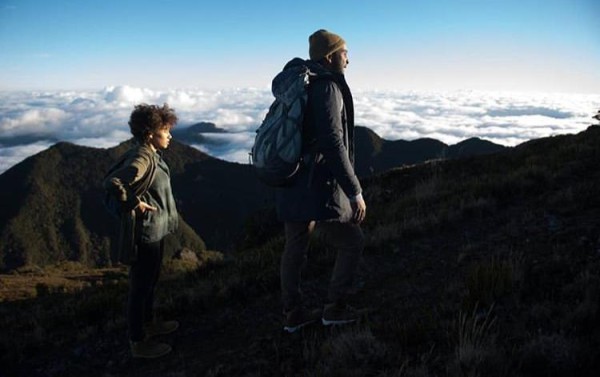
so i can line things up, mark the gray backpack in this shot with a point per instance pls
(277, 151)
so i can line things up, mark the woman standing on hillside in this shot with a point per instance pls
(140, 183)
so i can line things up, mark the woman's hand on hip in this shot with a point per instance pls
(144, 207)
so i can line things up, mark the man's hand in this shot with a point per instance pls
(359, 207)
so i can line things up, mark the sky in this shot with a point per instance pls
(522, 45)
(503, 70)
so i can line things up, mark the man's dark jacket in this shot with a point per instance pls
(322, 189)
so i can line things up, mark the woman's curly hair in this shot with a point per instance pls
(147, 119)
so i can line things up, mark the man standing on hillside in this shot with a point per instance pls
(326, 192)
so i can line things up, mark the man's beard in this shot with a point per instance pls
(338, 66)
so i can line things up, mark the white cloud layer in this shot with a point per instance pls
(31, 121)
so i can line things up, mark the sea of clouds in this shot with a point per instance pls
(32, 121)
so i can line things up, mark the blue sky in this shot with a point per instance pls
(524, 45)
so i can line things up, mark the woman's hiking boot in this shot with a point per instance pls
(299, 317)
(147, 349)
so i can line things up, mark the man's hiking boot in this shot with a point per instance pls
(147, 349)
(339, 314)
(299, 317)
(160, 328)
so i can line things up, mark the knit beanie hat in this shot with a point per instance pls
(323, 43)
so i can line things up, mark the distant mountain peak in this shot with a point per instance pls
(375, 154)
(203, 127)
(194, 134)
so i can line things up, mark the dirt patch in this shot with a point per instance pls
(35, 282)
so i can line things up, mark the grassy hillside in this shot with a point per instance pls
(486, 266)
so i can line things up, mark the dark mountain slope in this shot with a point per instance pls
(53, 211)
(472, 147)
(47, 222)
(376, 155)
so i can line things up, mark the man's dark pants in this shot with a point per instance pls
(346, 237)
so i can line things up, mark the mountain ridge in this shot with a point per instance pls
(374, 154)
(54, 212)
